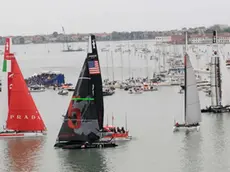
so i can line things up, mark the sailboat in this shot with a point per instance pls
(23, 117)
(192, 114)
(69, 48)
(219, 75)
(82, 126)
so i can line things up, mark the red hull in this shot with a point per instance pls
(11, 134)
(22, 134)
(119, 135)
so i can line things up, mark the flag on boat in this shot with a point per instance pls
(93, 67)
(6, 66)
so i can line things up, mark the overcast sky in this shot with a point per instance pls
(26, 17)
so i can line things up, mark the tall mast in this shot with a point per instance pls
(147, 66)
(164, 51)
(185, 74)
(121, 65)
(107, 64)
(129, 51)
(186, 42)
(112, 66)
(126, 124)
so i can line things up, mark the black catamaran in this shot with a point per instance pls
(217, 77)
(83, 123)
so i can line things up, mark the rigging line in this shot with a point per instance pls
(193, 103)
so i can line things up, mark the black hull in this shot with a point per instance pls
(216, 110)
(108, 93)
(63, 94)
(127, 88)
(182, 87)
(188, 126)
(85, 146)
(71, 89)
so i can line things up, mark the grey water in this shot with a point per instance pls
(154, 146)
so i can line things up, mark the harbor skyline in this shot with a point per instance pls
(199, 35)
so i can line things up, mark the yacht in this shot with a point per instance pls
(37, 88)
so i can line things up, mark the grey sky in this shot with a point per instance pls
(22, 17)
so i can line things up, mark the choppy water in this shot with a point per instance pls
(150, 118)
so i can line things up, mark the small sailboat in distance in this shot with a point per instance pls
(219, 75)
(82, 127)
(69, 47)
(23, 117)
(192, 114)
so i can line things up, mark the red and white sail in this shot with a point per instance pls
(22, 113)
(4, 80)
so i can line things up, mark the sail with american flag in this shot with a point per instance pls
(85, 116)
(93, 67)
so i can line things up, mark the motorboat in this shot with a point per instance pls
(136, 90)
(63, 92)
(116, 133)
(108, 92)
(37, 88)
(147, 87)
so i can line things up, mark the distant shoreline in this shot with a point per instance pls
(114, 41)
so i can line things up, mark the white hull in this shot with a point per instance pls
(41, 90)
(175, 129)
(138, 92)
(162, 84)
(21, 134)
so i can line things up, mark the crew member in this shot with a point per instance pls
(177, 124)
(122, 129)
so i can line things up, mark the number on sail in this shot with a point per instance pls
(74, 117)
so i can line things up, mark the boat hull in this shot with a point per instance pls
(136, 92)
(162, 84)
(85, 146)
(70, 89)
(63, 94)
(118, 137)
(195, 128)
(216, 110)
(108, 93)
(21, 134)
(37, 91)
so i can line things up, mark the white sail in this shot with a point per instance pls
(225, 82)
(4, 98)
(192, 101)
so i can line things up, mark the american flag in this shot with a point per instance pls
(93, 67)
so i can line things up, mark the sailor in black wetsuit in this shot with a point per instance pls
(122, 130)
